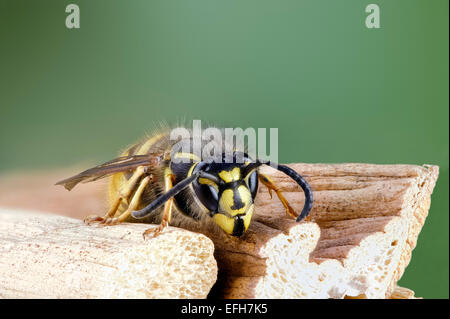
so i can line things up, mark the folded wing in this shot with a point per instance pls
(120, 164)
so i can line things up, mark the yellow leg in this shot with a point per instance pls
(167, 214)
(271, 187)
(124, 193)
(133, 204)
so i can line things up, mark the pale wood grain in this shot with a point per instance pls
(49, 256)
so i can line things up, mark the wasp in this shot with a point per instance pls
(157, 176)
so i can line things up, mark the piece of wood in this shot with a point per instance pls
(402, 293)
(364, 225)
(49, 256)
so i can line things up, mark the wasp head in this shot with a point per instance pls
(228, 192)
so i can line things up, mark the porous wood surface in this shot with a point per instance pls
(364, 225)
(49, 256)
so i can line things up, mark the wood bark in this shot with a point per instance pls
(364, 225)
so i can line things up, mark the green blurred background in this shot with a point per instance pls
(350, 93)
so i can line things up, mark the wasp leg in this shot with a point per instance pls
(272, 187)
(124, 193)
(133, 204)
(167, 215)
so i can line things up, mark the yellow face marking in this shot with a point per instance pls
(230, 176)
(248, 217)
(224, 222)
(227, 223)
(209, 182)
(227, 202)
(190, 156)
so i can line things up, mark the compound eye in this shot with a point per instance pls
(252, 183)
(207, 195)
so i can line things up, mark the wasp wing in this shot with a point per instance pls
(120, 164)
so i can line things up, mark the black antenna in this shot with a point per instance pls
(298, 179)
(138, 214)
(303, 184)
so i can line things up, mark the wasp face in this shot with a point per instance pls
(229, 195)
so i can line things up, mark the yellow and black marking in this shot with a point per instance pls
(147, 181)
